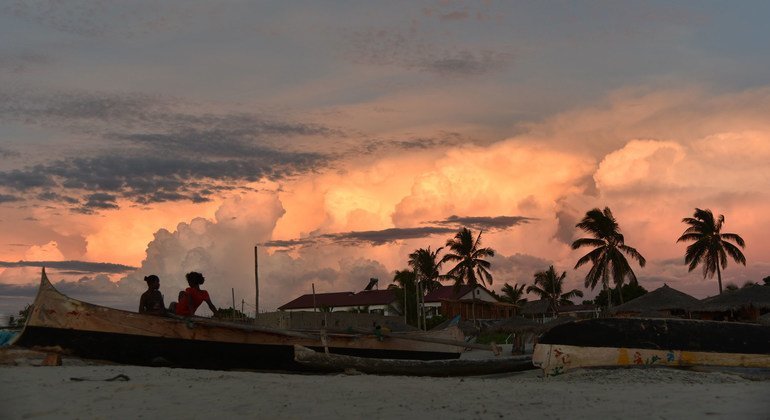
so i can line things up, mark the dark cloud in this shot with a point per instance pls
(21, 62)
(384, 236)
(80, 266)
(464, 63)
(5, 198)
(391, 48)
(177, 156)
(456, 15)
(371, 237)
(484, 222)
(7, 153)
(23, 290)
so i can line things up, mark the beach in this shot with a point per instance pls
(42, 392)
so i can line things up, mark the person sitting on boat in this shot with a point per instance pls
(193, 296)
(151, 301)
(172, 305)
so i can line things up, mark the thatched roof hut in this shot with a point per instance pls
(515, 324)
(660, 303)
(756, 297)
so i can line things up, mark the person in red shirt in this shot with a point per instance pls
(194, 296)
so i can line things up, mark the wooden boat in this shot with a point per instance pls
(320, 361)
(612, 342)
(98, 332)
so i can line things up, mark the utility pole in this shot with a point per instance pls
(256, 284)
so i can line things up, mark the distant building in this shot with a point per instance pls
(745, 304)
(540, 311)
(450, 301)
(663, 302)
(381, 302)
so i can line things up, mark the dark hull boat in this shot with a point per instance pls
(612, 342)
(97, 332)
(322, 362)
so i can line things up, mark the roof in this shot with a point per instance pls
(663, 298)
(756, 296)
(342, 299)
(450, 293)
(540, 306)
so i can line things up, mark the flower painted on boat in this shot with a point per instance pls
(670, 357)
(638, 358)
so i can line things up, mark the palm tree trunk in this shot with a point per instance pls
(719, 278)
(609, 295)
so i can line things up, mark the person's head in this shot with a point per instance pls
(153, 282)
(194, 278)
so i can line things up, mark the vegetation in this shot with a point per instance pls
(514, 295)
(549, 286)
(627, 292)
(710, 246)
(608, 257)
(404, 287)
(23, 315)
(471, 267)
(427, 267)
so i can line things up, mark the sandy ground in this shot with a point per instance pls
(40, 392)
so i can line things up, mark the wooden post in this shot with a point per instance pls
(313, 285)
(233, 290)
(256, 283)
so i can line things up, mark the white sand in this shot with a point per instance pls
(48, 392)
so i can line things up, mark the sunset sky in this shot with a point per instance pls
(145, 138)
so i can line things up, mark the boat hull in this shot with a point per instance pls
(613, 342)
(94, 331)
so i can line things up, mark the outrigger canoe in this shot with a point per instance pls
(97, 332)
(322, 362)
(613, 342)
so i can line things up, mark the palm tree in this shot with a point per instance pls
(607, 257)
(710, 246)
(426, 267)
(471, 265)
(514, 295)
(549, 286)
(404, 287)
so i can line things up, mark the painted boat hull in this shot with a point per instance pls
(99, 332)
(613, 342)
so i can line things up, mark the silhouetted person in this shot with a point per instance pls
(151, 301)
(172, 305)
(194, 296)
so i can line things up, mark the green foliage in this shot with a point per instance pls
(404, 284)
(629, 291)
(230, 313)
(23, 315)
(497, 338)
(434, 321)
(471, 268)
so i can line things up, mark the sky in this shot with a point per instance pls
(338, 137)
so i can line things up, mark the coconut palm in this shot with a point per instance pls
(514, 295)
(710, 246)
(550, 286)
(471, 266)
(608, 258)
(404, 287)
(427, 268)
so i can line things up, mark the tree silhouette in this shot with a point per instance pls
(710, 247)
(514, 295)
(608, 258)
(471, 266)
(427, 268)
(549, 286)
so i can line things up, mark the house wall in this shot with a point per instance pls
(331, 320)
